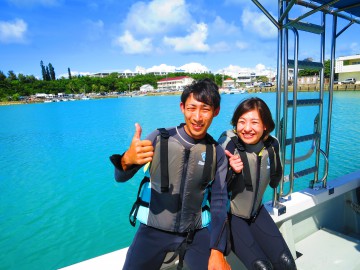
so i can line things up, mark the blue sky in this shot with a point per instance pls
(228, 36)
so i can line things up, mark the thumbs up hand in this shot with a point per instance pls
(140, 151)
(235, 162)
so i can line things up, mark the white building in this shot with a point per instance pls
(308, 79)
(348, 67)
(176, 83)
(40, 95)
(246, 78)
(146, 88)
(229, 83)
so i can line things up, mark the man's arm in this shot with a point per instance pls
(139, 153)
(218, 208)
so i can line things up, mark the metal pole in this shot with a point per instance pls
(331, 89)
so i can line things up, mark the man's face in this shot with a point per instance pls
(198, 117)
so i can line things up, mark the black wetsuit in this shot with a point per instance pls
(257, 241)
(150, 245)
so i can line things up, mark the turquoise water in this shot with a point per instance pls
(59, 203)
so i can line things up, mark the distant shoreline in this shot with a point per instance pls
(303, 88)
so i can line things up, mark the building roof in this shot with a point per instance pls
(349, 57)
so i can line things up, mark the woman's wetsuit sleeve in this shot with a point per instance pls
(120, 174)
(218, 207)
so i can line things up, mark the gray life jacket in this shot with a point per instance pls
(175, 197)
(246, 189)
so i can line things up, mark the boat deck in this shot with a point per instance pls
(320, 227)
(326, 249)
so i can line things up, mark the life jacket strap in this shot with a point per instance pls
(139, 202)
(207, 167)
(164, 146)
(181, 250)
(275, 164)
(245, 174)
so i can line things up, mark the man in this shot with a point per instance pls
(185, 163)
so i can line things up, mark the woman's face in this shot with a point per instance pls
(250, 127)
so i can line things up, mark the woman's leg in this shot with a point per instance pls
(269, 238)
(245, 246)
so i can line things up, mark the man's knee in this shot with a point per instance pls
(287, 261)
(262, 265)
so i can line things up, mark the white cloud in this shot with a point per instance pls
(132, 46)
(221, 46)
(260, 67)
(242, 45)
(74, 74)
(355, 48)
(235, 71)
(158, 16)
(261, 25)
(194, 67)
(13, 32)
(95, 29)
(189, 67)
(194, 42)
(221, 27)
(161, 68)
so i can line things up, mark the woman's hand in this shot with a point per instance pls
(235, 162)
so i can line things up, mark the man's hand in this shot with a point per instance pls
(139, 153)
(217, 261)
(235, 162)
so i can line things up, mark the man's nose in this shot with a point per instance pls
(197, 115)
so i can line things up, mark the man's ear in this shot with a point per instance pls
(182, 107)
(216, 112)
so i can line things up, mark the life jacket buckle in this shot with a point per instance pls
(190, 236)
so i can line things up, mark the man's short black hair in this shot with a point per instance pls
(205, 91)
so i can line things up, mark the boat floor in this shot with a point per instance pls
(326, 249)
(323, 249)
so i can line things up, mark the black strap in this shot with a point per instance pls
(208, 165)
(275, 164)
(164, 145)
(181, 250)
(139, 202)
(245, 175)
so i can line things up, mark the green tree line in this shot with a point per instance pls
(13, 87)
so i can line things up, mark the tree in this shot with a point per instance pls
(12, 76)
(47, 72)
(22, 78)
(219, 79)
(327, 69)
(69, 72)
(2, 76)
(43, 71)
(52, 72)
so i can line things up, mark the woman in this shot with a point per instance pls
(254, 163)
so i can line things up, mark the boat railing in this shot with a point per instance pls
(286, 127)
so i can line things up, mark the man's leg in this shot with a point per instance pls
(147, 250)
(198, 253)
